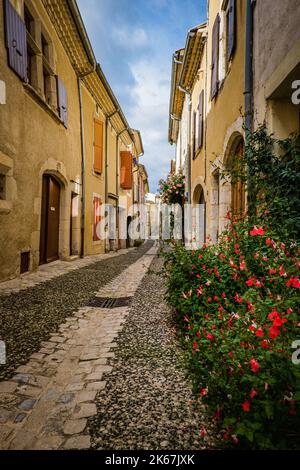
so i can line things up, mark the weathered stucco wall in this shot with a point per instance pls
(36, 142)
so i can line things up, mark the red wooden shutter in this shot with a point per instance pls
(16, 43)
(62, 101)
(200, 119)
(98, 146)
(97, 217)
(126, 170)
(231, 28)
(215, 58)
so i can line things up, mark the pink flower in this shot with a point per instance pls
(257, 231)
(254, 364)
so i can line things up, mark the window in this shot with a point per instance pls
(229, 10)
(126, 170)
(215, 58)
(2, 187)
(98, 146)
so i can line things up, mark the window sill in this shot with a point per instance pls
(5, 207)
(40, 100)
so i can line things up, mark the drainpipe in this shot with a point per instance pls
(82, 222)
(248, 96)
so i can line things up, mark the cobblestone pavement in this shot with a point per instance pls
(48, 401)
(148, 401)
(34, 314)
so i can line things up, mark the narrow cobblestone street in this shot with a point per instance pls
(106, 378)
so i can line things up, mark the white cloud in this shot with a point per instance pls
(131, 38)
(149, 114)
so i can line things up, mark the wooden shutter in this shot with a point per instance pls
(15, 38)
(97, 217)
(126, 170)
(98, 146)
(194, 149)
(62, 101)
(215, 58)
(200, 119)
(231, 28)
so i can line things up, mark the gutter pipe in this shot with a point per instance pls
(248, 98)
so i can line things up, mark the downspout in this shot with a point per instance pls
(82, 222)
(248, 99)
(107, 121)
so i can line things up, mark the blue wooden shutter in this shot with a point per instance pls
(231, 28)
(15, 39)
(62, 101)
(215, 58)
(200, 119)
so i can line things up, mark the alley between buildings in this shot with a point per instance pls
(84, 376)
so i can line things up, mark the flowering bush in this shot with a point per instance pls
(172, 189)
(238, 309)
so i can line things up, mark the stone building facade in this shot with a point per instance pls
(211, 77)
(62, 137)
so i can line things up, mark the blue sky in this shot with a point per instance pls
(134, 41)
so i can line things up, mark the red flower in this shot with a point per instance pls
(203, 433)
(203, 392)
(250, 282)
(259, 333)
(194, 345)
(226, 435)
(274, 332)
(265, 344)
(254, 364)
(294, 281)
(224, 295)
(238, 299)
(210, 336)
(216, 298)
(230, 354)
(279, 321)
(242, 266)
(253, 393)
(246, 406)
(282, 271)
(257, 231)
(272, 271)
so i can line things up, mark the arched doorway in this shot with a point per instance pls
(199, 222)
(50, 216)
(238, 194)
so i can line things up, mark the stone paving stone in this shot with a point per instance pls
(78, 443)
(24, 440)
(96, 385)
(85, 411)
(27, 405)
(49, 443)
(86, 396)
(75, 387)
(29, 391)
(8, 387)
(5, 415)
(75, 426)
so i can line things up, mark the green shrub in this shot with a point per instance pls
(237, 305)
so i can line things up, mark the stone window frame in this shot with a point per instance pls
(6, 173)
(41, 55)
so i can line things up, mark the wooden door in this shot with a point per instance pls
(238, 196)
(49, 235)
